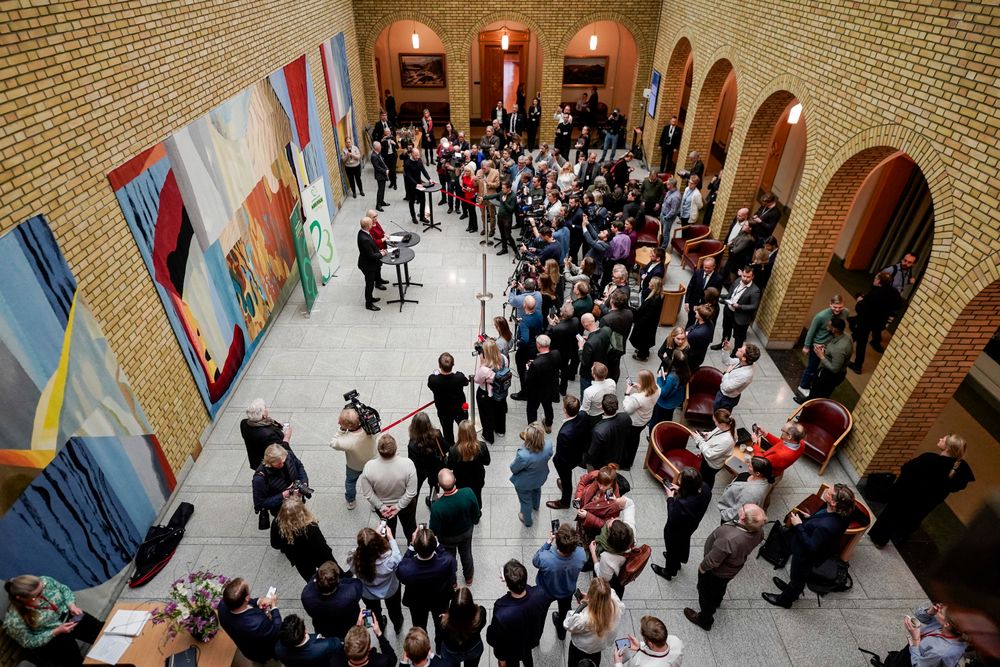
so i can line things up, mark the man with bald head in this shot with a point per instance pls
(369, 261)
(530, 326)
(726, 551)
(704, 277)
(594, 347)
(542, 381)
(741, 244)
(454, 516)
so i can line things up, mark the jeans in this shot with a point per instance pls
(530, 499)
(809, 374)
(468, 658)
(711, 591)
(462, 546)
(610, 142)
(351, 484)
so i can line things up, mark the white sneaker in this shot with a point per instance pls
(351, 504)
(802, 390)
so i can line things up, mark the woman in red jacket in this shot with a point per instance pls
(781, 452)
(597, 500)
(469, 190)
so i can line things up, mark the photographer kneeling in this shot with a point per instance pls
(279, 476)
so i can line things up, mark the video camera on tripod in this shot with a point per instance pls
(371, 423)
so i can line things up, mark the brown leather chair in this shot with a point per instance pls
(861, 519)
(826, 423)
(672, 302)
(649, 232)
(701, 391)
(698, 251)
(668, 454)
(684, 235)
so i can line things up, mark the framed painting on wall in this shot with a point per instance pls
(422, 70)
(585, 72)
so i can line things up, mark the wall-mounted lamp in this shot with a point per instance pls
(504, 40)
(593, 41)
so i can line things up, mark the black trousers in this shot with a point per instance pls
(392, 605)
(416, 196)
(407, 519)
(506, 236)
(525, 353)
(708, 473)
(825, 382)
(711, 590)
(575, 241)
(798, 572)
(861, 333)
(390, 162)
(371, 277)
(470, 210)
(492, 415)
(565, 472)
(563, 607)
(532, 137)
(576, 655)
(419, 614)
(448, 420)
(738, 332)
(631, 446)
(63, 649)
(354, 180)
(533, 404)
(380, 193)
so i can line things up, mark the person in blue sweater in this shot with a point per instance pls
(252, 623)
(429, 574)
(530, 326)
(296, 648)
(530, 469)
(672, 389)
(559, 569)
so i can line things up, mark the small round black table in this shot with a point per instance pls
(430, 189)
(400, 257)
(407, 240)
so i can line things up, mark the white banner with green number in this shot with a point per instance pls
(317, 223)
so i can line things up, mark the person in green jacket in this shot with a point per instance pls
(834, 356)
(454, 516)
(505, 215)
(43, 618)
(819, 334)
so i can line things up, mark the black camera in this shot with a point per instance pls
(371, 423)
(301, 488)
(477, 347)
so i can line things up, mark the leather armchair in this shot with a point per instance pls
(826, 423)
(697, 251)
(684, 235)
(701, 391)
(668, 454)
(649, 232)
(861, 519)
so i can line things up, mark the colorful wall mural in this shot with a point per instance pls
(338, 94)
(82, 475)
(211, 210)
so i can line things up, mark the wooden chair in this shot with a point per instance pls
(860, 521)
(668, 454)
(684, 235)
(698, 251)
(672, 302)
(826, 423)
(701, 391)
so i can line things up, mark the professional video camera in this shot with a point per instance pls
(370, 421)
(477, 347)
(301, 488)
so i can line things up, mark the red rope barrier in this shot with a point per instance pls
(403, 419)
(450, 194)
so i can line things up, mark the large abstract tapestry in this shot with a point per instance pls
(81, 474)
(211, 210)
(338, 94)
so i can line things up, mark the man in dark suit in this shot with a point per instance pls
(390, 153)
(652, 270)
(381, 172)
(740, 241)
(390, 107)
(563, 329)
(814, 539)
(607, 439)
(571, 443)
(764, 221)
(518, 618)
(670, 141)
(428, 572)
(369, 261)
(295, 648)
(252, 623)
(738, 311)
(702, 279)
(332, 600)
(498, 113)
(697, 167)
(381, 126)
(619, 319)
(513, 123)
(542, 381)
(413, 169)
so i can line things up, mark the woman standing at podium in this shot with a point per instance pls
(43, 618)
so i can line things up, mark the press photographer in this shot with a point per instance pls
(278, 477)
(542, 246)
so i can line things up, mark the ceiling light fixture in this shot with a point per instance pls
(415, 38)
(504, 40)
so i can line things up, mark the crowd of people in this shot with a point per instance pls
(579, 300)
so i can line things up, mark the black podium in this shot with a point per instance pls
(407, 240)
(429, 189)
(400, 257)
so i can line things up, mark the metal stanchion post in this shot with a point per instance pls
(482, 297)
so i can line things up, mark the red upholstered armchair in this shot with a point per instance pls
(701, 392)
(826, 423)
(697, 251)
(648, 233)
(684, 235)
(861, 519)
(668, 454)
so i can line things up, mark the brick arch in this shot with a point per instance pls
(671, 92)
(700, 132)
(366, 51)
(752, 142)
(546, 41)
(822, 206)
(968, 315)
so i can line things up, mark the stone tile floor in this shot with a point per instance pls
(307, 363)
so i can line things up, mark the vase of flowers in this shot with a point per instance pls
(192, 607)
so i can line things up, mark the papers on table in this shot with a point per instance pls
(110, 648)
(127, 623)
(396, 238)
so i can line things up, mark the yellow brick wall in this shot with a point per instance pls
(897, 76)
(84, 86)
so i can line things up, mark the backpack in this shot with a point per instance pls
(777, 548)
(501, 383)
(831, 576)
(158, 548)
(635, 563)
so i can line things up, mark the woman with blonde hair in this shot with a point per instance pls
(675, 340)
(530, 469)
(295, 533)
(922, 485)
(551, 269)
(640, 399)
(470, 188)
(566, 176)
(468, 459)
(43, 618)
(492, 411)
(374, 563)
(592, 625)
(647, 320)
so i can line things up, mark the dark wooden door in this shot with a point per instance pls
(491, 79)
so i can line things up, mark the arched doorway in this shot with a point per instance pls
(505, 65)
(713, 120)
(675, 93)
(409, 61)
(600, 59)
(771, 160)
